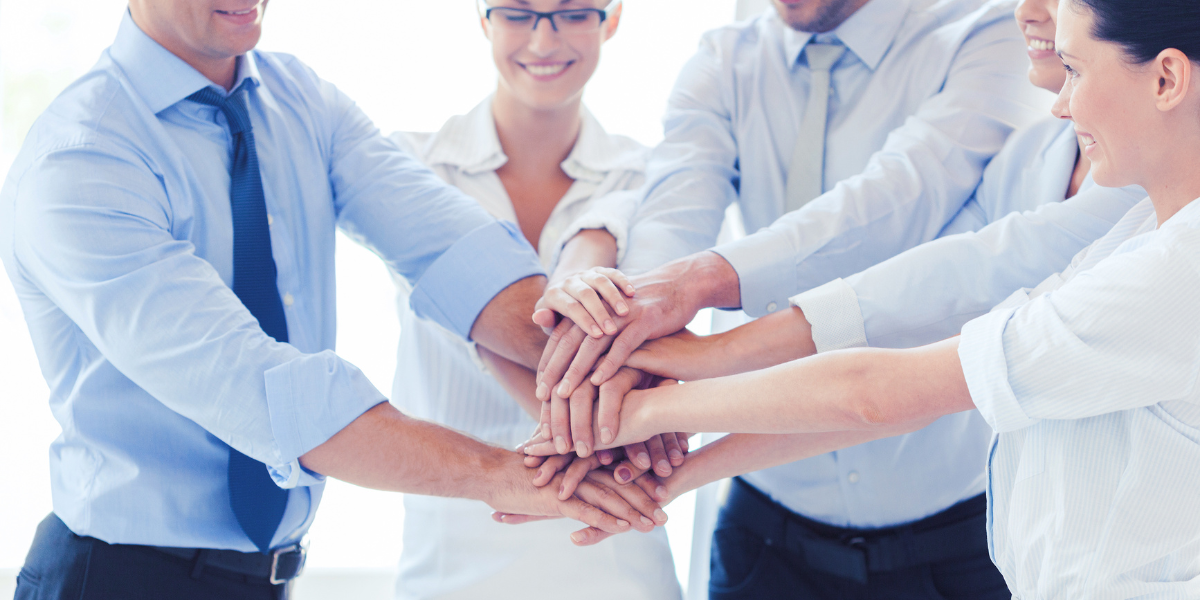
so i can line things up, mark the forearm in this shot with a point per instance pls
(849, 390)
(589, 248)
(505, 326)
(773, 340)
(742, 453)
(386, 450)
(518, 381)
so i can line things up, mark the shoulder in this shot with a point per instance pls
(1031, 142)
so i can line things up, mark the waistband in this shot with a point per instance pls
(958, 531)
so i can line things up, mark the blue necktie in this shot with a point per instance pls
(257, 502)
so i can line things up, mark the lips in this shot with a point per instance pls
(1040, 48)
(546, 70)
(241, 16)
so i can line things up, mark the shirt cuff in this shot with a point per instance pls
(832, 311)
(309, 399)
(465, 278)
(981, 352)
(765, 264)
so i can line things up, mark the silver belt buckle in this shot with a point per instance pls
(300, 548)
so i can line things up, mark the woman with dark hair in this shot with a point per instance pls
(1091, 380)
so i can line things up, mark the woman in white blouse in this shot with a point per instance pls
(1091, 380)
(531, 154)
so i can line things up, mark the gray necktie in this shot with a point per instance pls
(806, 173)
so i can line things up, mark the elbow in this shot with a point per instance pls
(872, 397)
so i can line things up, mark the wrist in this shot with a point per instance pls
(711, 282)
(503, 475)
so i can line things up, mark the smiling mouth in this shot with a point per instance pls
(1040, 44)
(238, 13)
(546, 70)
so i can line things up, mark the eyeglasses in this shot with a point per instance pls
(579, 20)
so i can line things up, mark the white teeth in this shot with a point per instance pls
(545, 70)
(1036, 44)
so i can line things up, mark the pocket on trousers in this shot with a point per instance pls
(28, 586)
(737, 555)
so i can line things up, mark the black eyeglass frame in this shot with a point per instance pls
(485, 11)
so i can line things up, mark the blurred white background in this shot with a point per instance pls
(410, 64)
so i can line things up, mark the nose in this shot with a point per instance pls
(1062, 104)
(1032, 11)
(544, 40)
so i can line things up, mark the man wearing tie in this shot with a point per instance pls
(846, 131)
(169, 229)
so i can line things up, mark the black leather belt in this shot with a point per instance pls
(960, 530)
(279, 566)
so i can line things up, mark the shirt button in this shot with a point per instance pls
(852, 477)
(270, 220)
(771, 307)
(288, 300)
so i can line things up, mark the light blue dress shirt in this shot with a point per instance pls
(1090, 382)
(115, 230)
(925, 95)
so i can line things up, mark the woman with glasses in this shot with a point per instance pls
(531, 153)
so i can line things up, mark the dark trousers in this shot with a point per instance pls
(62, 565)
(763, 550)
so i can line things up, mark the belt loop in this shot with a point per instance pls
(199, 562)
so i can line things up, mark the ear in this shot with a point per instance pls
(613, 20)
(1174, 73)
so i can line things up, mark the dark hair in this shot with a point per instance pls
(1144, 28)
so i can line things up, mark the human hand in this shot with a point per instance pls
(598, 501)
(585, 298)
(570, 421)
(635, 425)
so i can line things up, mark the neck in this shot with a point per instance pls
(533, 137)
(220, 70)
(1176, 181)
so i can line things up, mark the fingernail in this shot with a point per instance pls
(605, 456)
(564, 390)
(606, 435)
(610, 327)
(624, 474)
(542, 390)
(562, 489)
(646, 521)
(597, 377)
(676, 455)
(540, 473)
(560, 444)
(577, 537)
(622, 523)
(663, 465)
(659, 515)
(661, 492)
(643, 460)
(580, 448)
(622, 308)
(596, 332)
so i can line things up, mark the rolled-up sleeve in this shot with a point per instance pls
(1118, 336)
(96, 239)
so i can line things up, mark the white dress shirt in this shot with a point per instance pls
(1090, 382)
(452, 548)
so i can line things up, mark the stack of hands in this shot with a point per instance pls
(593, 381)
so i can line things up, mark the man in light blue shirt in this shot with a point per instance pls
(920, 96)
(121, 223)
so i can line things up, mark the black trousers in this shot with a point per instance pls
(62, 565)
(762, 550)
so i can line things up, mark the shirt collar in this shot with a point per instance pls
(470, 144)
(868, 33)
(158, 76)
